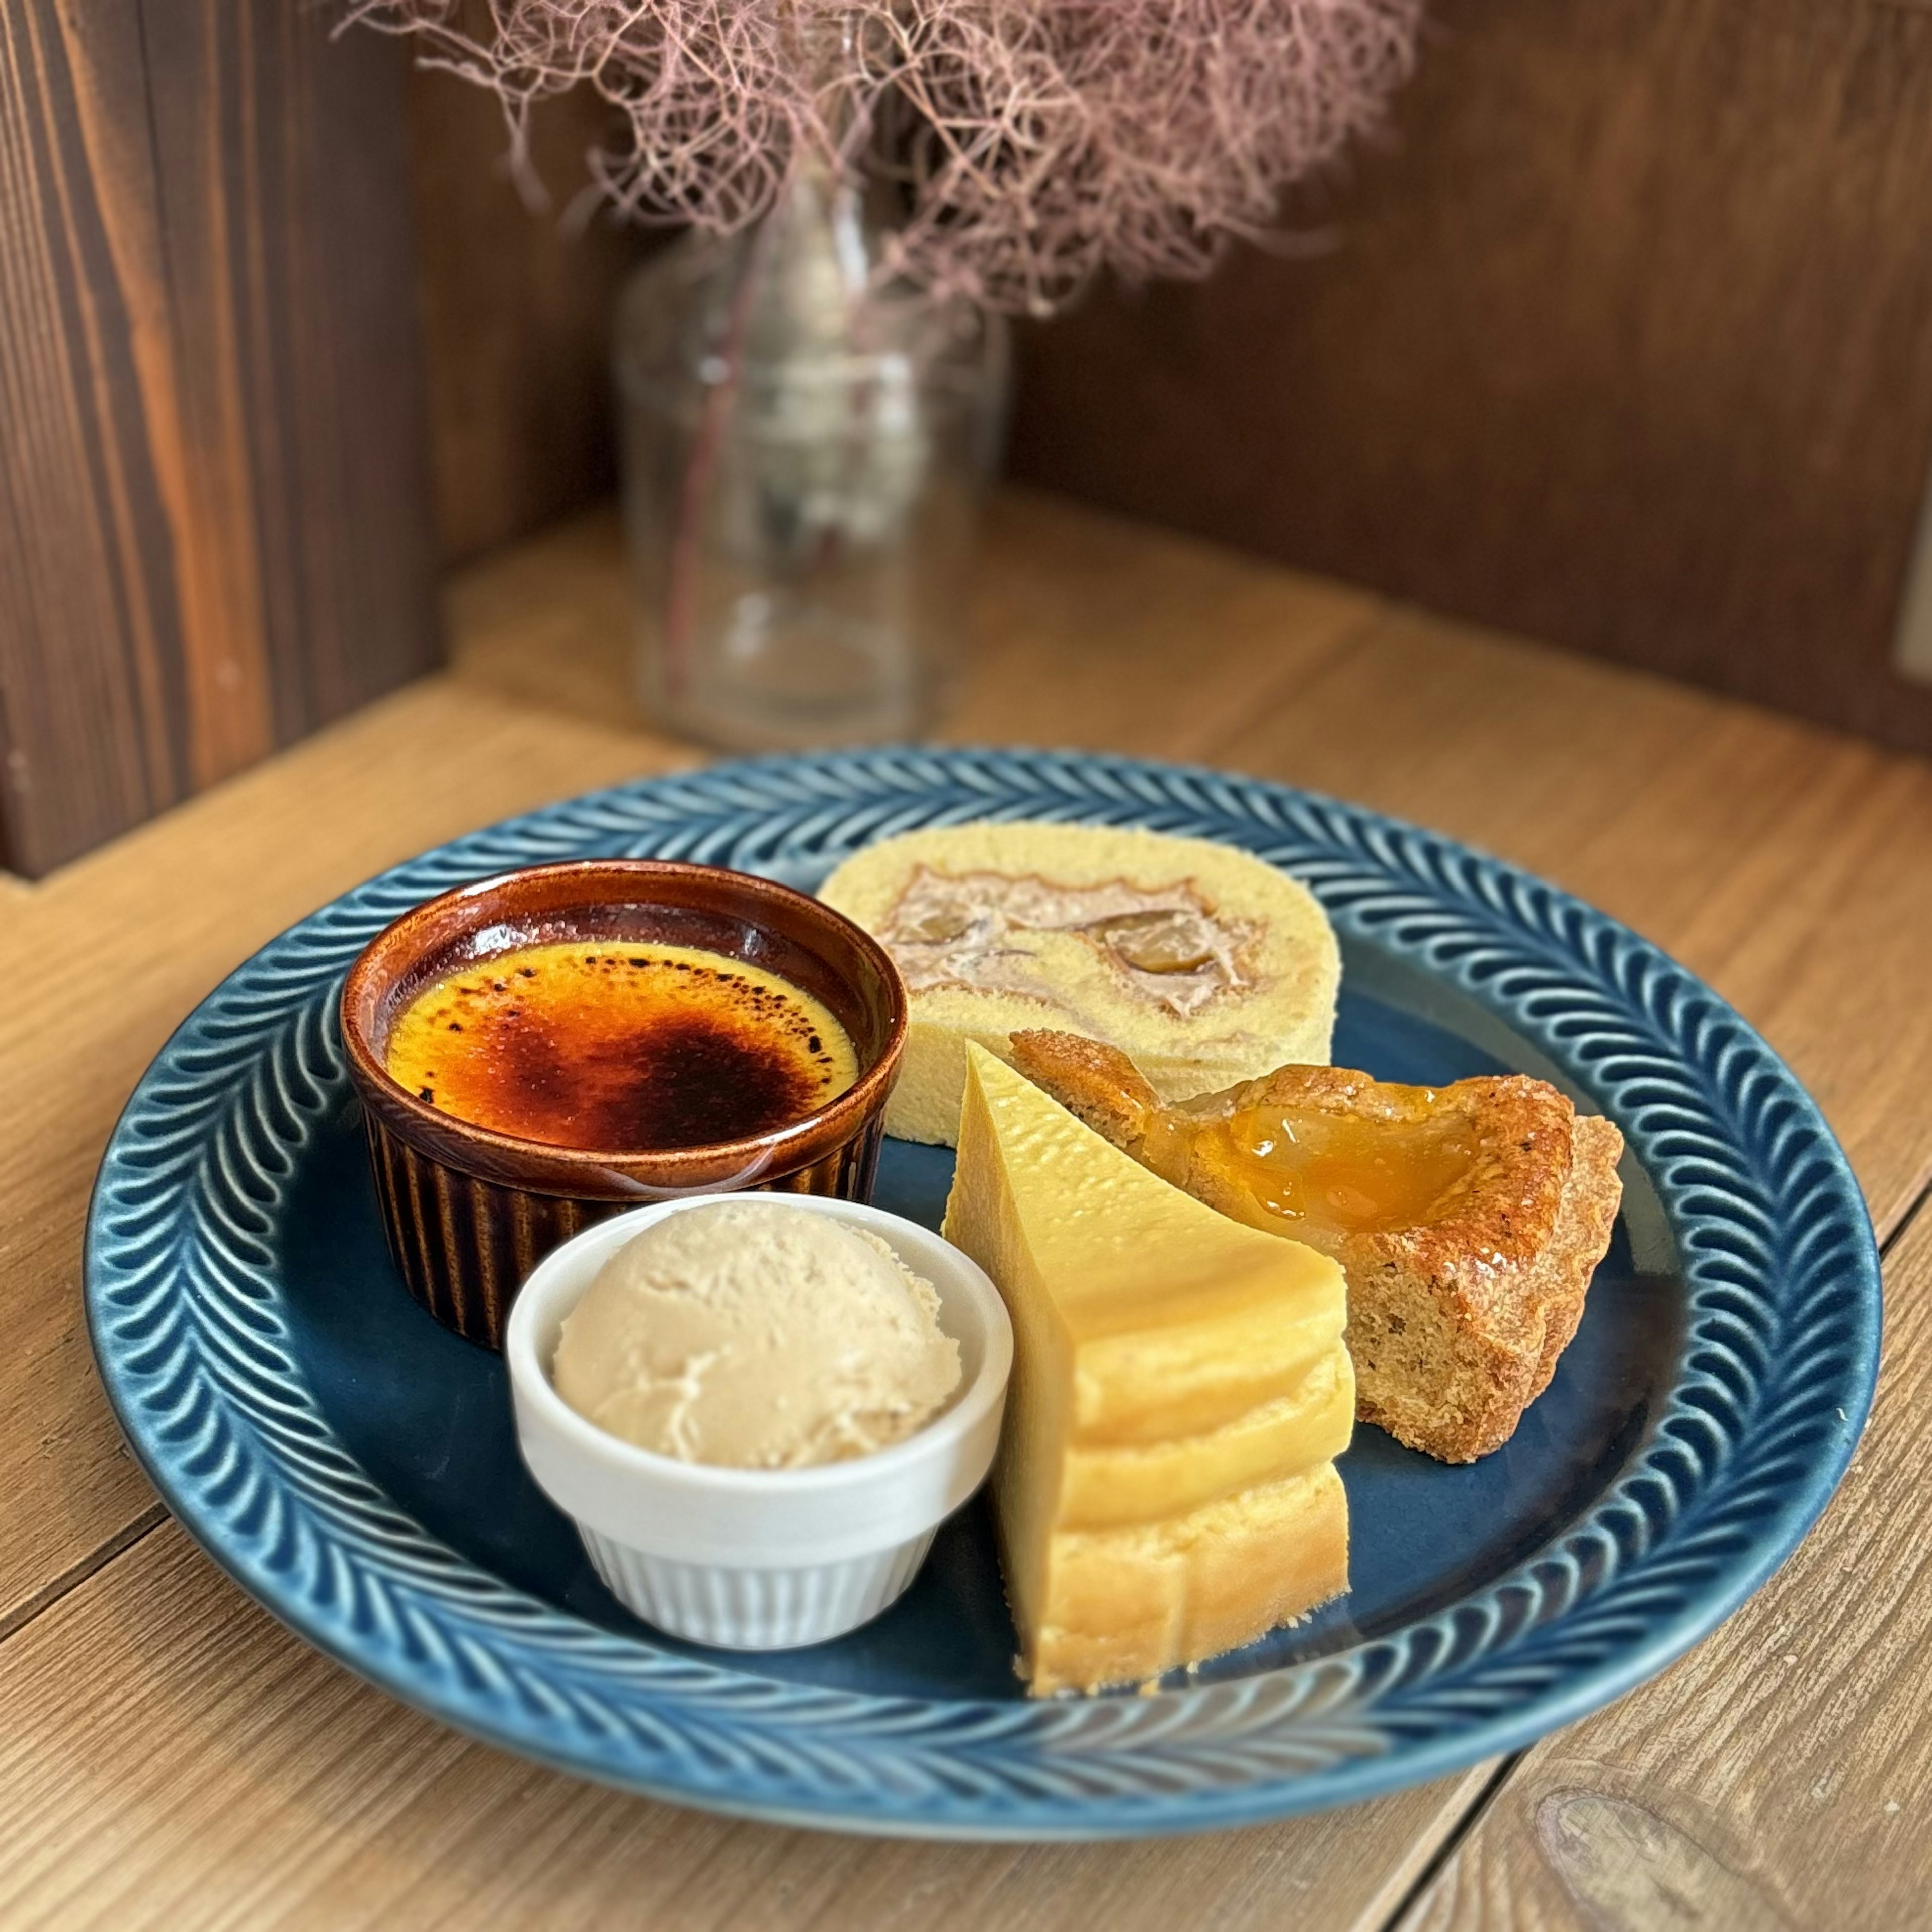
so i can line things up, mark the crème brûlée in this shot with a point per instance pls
(1166, 1487)
(1468, 1218)
(619, 1046)
(1205, 963)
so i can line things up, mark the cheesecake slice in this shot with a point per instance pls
(1469, 1218)
(1165, 1488)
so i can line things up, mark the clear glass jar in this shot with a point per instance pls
(805, 451)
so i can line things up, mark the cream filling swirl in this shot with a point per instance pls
(1164, 945)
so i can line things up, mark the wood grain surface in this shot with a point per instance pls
(223, 1773)
(214, 1769)
(1623, 339)
(1781, 1775)
(516, 301)
(214, 508)
(1068, 645)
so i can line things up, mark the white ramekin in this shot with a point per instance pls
(759, 1559)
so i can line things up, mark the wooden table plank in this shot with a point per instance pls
(1779, 1775)
(1090, 632)
(216, 1770)
(1096, 634)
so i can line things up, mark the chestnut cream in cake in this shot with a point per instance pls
(1205, 963)
(1468, 1218)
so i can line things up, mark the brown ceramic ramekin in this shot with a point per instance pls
(469, 1212)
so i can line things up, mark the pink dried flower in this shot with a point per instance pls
(1037, 140)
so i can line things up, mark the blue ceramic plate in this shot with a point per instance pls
(353, 1466)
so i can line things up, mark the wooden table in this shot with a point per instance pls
(168, 1755)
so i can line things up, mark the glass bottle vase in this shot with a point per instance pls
(805, 445)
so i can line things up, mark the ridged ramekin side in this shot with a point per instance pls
(464, 1245)
(747, 1608)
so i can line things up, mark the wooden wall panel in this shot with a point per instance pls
(1624, 341)
(516, 311)
(213, 508)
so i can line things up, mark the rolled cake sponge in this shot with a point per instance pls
(1206, 964)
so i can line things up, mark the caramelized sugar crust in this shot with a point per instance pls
(1468, 1219)
(620, 1047)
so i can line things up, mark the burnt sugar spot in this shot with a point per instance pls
(675, 1079)
(687, 1080)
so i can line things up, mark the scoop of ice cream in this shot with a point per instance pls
(758, 1338)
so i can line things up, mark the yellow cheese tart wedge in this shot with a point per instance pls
(1164, 1487)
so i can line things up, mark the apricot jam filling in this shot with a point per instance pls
(620, 1048)
(1347, 1173)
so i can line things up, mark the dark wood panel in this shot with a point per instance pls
(214, 505)
(92, 656)
(516, 310)
(1624, 340)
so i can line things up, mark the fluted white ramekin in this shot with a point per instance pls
(759, 1559)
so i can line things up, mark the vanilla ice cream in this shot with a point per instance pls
(758, 1338)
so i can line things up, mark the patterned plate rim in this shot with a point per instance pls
(1779, 1363)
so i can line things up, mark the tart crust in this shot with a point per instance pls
(1456, 1322)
